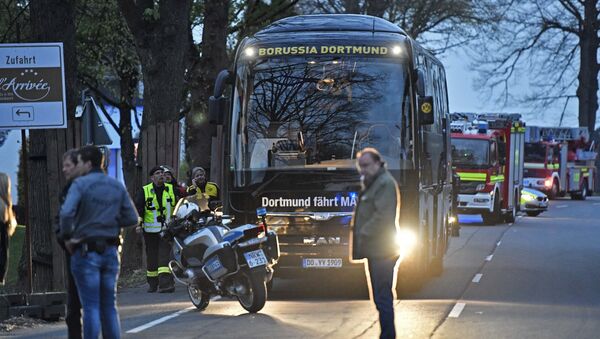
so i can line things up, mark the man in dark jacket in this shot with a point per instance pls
(96, 208)
(374, 229)
(73, 318)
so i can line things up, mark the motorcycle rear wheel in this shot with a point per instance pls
(199, 298)
(256, 291)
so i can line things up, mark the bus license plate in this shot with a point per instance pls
(255, 258)
(322, 262)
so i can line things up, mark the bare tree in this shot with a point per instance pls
(203, 72)
(552, 43)
(223, 19)
(51, 21)
(160, 31)
(438, 24)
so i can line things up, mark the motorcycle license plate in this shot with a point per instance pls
(322, 262)
(255, 258)
(213, 265)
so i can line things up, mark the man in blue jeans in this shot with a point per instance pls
(374, 229)
(91, 218)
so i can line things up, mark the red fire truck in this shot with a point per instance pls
(487, 155)
(560, 160)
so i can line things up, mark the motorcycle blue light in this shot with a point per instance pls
(261, 212)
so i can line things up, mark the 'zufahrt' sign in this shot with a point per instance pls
(32, 86)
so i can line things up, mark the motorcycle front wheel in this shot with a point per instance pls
(255, 291)
(199, 298)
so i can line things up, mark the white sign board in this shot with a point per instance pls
(32, 86)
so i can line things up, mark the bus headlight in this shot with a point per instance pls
(406, 240)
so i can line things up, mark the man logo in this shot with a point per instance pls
(322, 240)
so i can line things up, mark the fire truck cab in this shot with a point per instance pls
(487, 155)
(560, 160)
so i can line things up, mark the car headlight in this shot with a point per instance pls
(406, 240)
(528, 197)
(480, 187)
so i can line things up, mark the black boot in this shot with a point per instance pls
(152, 285)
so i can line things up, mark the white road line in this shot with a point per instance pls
(489, 257)
(456, 310)
(160, 320)
(561, 206)
(477, 277)
(596, 203)
(498, 243)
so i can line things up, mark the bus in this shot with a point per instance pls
(305, 94)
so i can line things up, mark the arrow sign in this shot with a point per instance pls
(22, 113)
(19, 113)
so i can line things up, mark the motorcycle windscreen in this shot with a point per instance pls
(186, 205)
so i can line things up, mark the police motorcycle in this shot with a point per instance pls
(213, 260)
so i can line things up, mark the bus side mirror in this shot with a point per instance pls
(217, 103)
(420, 75)
(216, 109)
(425, 110)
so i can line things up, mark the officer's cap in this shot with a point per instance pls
(154, 169)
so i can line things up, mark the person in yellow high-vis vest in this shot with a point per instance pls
(155, 204)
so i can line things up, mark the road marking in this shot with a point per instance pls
(489, 257)
(498, 243)
(160, 320)
(456, 310)
(561, 206)
(596, 203)
(477, 277)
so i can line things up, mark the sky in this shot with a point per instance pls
(464, 97)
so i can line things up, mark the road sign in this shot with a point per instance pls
(32, 86)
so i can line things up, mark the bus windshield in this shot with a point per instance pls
(470, 152)
(300, 112)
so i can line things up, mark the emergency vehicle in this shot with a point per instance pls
(560, 160)
(487, 155)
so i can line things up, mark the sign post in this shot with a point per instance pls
(32, 96)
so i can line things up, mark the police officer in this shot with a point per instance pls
(155, 204)
(200, 186)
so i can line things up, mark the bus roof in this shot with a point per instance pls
(331, 23)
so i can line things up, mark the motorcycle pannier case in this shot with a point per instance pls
(272, 245)
(220, 260)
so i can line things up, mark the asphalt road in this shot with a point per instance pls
(538, 278)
